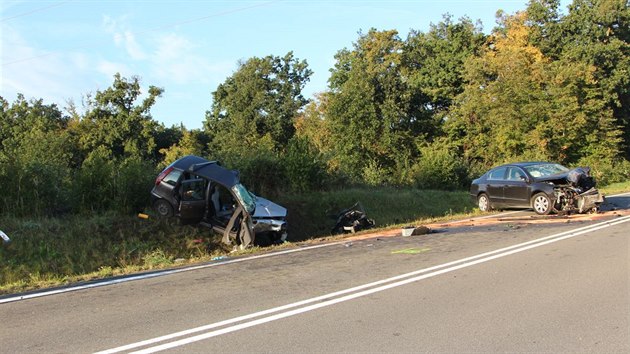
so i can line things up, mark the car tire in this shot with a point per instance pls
(542, 204)
(483, 202)
(163, 208)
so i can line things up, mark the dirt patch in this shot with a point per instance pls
(490, 220)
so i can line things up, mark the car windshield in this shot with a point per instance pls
(545, 169)
(247, 199)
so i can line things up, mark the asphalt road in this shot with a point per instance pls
(562, 287)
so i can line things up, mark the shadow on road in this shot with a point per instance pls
(620, 202)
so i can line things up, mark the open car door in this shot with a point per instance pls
(192, 205)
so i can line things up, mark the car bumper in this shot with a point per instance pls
(271, 225)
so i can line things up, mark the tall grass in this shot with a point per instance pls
(47, 251)
(54, 250)
(313, 214)
(50, 251)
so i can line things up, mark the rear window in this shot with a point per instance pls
(172, 177)
(499, 173)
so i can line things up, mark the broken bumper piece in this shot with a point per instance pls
(589, 200)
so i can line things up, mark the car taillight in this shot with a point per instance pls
(161, 176)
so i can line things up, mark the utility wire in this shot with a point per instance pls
(34, 11)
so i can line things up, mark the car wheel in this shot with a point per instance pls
(541, 203)
(163, 208)
(483, 202)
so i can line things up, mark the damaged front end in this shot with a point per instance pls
(576, 192)
(269, 220)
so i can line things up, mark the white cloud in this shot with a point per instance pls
(169, 57)
(176, 59)
(109, 68)
(133, 48)
(123, 37)
(109, 24)
(55, 77)
(80, 61)
(36, 73)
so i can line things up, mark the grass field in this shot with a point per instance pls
(48, 252)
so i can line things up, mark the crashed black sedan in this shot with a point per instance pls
(197, 190)
(543, 186)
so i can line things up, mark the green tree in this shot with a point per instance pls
(543, 20)
(435, 63)
(115, 121)
(255, 107)
(597, 33)
(519, 104)
(191, 143)
(35, 153)
(312, 124)
(370, 110)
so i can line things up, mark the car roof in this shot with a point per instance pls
(526, 163)
(185, 162)
(211, 170)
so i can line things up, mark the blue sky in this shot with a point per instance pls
(63, 50)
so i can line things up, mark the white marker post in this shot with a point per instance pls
(5, 238)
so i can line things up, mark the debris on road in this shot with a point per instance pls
(415, 231)
(352, 220)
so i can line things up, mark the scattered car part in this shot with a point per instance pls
(352, 219)
(407, 231)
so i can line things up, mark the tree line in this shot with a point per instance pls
(432, 110)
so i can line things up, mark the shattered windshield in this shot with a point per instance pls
(545, 169)
(247, 199)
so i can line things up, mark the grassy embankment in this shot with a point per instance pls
(54, 251)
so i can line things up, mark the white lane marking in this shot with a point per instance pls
(393, 282)
(98, 284)
(158, 274)
(207, 265)
(487, 216)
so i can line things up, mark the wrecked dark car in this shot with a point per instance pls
(200, 191)
(545, 187)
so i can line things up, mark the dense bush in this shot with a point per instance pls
(304, 167)
(608, 170)
(439, 167)
(33, 188)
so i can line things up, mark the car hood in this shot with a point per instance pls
(577, 177)
(558, 178)
(268, 209)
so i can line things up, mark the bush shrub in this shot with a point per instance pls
(439, 167)
(304, 167)
(607, 170)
